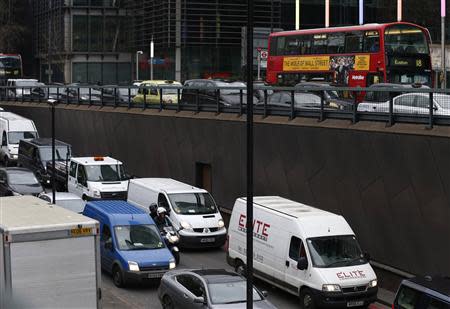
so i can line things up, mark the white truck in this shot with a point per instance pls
(94, 178)
(49, 256)
(13, 128)
(303, 250)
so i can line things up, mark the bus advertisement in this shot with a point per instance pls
(351, 56)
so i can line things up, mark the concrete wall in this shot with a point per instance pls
(393, 188)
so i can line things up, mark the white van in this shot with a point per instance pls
(192, 211)
(13, 128)
(303, 250)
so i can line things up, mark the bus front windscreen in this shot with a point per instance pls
(405, 40)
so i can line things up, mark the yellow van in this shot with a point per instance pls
(149, 89)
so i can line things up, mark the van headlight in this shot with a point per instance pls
(133, 266)
(185, 225)
(373, 283)
(221, 224)
(331, 288)
(97, 193)
(172, 264)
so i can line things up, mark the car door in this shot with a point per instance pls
(81, 183)
(190, 288)
(72, 177)
(404, 104)
(295, 277)
(422, 104)
(106, 248)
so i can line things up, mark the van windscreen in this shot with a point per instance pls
(138, 237)
(335, 251)
(193, 203)
(15, 137)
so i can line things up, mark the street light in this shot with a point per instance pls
(152, 54)
(52, 104)
(139, 52)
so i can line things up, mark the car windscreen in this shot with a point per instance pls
(105, 172)
(10, 62)
(22, 178)
(192, 203)
(230, 292)
(335, 251)
(15, 137)
(169, 89)
(138, 237)
(62, 153)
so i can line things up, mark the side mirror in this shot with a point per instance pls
(302, 263)
(4, 143)
(199, 300)
(265, 293)
(435, 107)
(108, 244)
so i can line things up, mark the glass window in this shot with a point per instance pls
(105, 172)
(353, 42)
(4, 141)
(22, 178)
(193, 203)
(422, 102)
(80, 29)
(73, 169)
(192, 284)
(292, 45)
(96, 34)
(335, 251)
(438, 304)
(405, 39)
(61, 153)
(81, 176)
(106, 233)
(162, 201)
(230, 292)
(123, 73)
(94, 73)
(111, 33)
(406, 100)
(336, 43)
(407, 298)
(294, 248)
(371, 41)
(79, 74)
(320, 43)
(109, 73)
(138, 237)
(15, 137)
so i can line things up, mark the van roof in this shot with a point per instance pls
(315, 222)
(11, 116)
(119, 212)
(98, 160)
(44, 142)
(167, 185)
(24, 214)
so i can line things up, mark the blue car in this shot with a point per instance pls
(131, 246)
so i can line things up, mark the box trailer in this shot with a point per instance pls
(49, 256)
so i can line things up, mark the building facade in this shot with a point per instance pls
(81, 41)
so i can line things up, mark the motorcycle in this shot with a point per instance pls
(172, 239)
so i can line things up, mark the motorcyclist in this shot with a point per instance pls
(161, 220)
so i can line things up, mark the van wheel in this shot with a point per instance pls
(240, 268)
(307, 299)
(117, 277)
(167, 302)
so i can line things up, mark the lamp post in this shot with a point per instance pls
(443, 66)
(52, 104)
(152, 54)
(139, 52)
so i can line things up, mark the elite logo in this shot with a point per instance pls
(355, 274)
(260, 228)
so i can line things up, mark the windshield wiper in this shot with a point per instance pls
(235, 302)
(344, 261)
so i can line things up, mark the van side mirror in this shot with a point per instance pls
(199, 300)
(4, 143)
(302, 263)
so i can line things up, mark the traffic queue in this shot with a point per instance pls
(143, 223)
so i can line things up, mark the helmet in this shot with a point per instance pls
(161, 210)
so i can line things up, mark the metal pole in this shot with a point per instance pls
(137, 66)
(259, 65)
(249, 224)
(443, 65)
(152, 52)
(297, 15)
(53, 154)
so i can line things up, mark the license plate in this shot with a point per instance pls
(208, 240)
(356, 303)
(155, 275)
(81, 231)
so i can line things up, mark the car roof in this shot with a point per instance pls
(44, 142)
(167, 185)
(439, 284)
(63, 196)
(217, 275)
(161, 82)
(119, 212)
(16, 169)
(93, 161)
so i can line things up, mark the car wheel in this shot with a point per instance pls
(307, 299)
(167, 302)
(117, 277)
(240, 268)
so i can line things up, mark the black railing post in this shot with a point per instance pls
(391, 110)
(197, 100)
(292, 116)
(115, 97)
(78, 96)
(101, 98)
(178, 99)
(23, 94)
(90, 96)
(218, 101)
(145, 90)
(129, 97)
(355, 108)
(265, 103)
(322, 106)
(160, 99)
(431, 110)
(241, 102)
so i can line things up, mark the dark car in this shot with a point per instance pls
(423, 293)
(18, 181)
(207, 288)
(36, 153)
(330, 96)
(229, 93)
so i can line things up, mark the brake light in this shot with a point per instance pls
(98, 159)
(393, 307)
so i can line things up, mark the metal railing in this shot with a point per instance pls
(390, 105)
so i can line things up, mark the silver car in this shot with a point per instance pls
(65, 200)
(207, 288)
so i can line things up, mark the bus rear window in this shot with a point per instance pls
(405, 39)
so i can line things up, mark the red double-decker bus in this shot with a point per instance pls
(351, 56)
(10, 67)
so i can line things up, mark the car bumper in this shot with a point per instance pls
(199, 240)
(136, 276)
(341, 300)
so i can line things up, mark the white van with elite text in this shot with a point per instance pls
(306, 251)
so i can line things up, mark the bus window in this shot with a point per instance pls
(336, 43)
(371, 41)
(353, 42)
(292, 45)
(305, 45)
(405, 39)
(319, 44)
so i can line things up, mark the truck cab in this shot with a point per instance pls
(95, 178)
